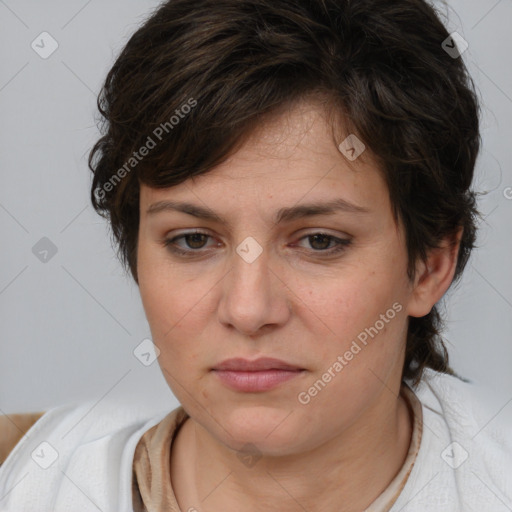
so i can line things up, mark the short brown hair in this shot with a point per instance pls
(380, 65)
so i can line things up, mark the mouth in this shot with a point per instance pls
(239, 364)
(255, 376)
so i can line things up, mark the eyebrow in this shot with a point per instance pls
(285, 214)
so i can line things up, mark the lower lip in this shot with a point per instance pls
(255, 381)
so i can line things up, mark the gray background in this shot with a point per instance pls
(69, 325)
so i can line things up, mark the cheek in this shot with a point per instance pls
(173, 316)
(347, 302)
(177, 308)
(167, 293)
(362, 306)
(361, 349)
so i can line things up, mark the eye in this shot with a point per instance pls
(321, 243)
(194, 240)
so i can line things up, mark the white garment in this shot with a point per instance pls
(96, 443)
(465, 458)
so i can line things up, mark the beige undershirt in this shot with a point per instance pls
(152, 488)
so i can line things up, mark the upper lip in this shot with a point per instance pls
(263, 363)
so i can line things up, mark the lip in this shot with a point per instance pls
(259, 375)
(239, 364)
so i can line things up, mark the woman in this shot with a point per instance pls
(289, 186)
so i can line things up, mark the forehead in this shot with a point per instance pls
(289, 158)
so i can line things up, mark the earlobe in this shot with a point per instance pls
(433, 277)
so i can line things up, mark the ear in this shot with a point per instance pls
(434, 277)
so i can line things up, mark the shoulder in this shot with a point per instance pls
(469, 409)
(465, 456)
(12, 428)
(90, 444)
(71, 424)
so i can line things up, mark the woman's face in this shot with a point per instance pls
(259, 283)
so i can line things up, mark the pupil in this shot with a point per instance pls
(196, 237)
(317, 237)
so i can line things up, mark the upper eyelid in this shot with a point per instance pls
(200, 231)
(207, 231)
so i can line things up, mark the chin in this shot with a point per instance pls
(269, 429)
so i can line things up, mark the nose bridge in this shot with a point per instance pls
(250, 273)
(252, 296)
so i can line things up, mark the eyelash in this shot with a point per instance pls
(342, 244)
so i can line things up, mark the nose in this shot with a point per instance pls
(254, 295)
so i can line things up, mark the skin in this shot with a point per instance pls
(293, 302)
